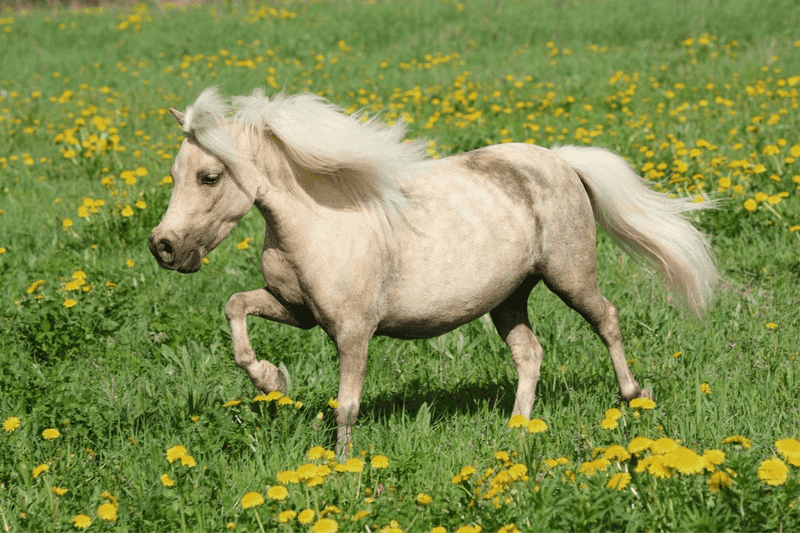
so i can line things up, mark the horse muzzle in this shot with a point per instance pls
(170, 254)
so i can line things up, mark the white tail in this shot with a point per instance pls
(647, 224)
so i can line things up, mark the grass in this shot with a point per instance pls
(702, 100)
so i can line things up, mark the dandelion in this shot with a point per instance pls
(713, 458)
(188, 460)
(130, 262)
(285, 401)
(287, 476)
(58, 491)
(274, 395)
(643, 403)
(176, 452)
(705, 388)
(286, 515)
(609, 424)
(615, 452)
(305, 517)
(360, 514)
(663, 446)
(127, 211)
(333, 404)
(35, 285)
(81, 521)
(277, 492)
(789, 449)
(11, 424)
(590, 468)
(70, 302)
(719, 480)
(537, 425)
(39, 469)
(773, 472)
(423, 499)
(66, 224)
(685, 461)
(231, 403)
(771, 325)
(107, 512)
(738, 439)
(166, 480)
(50, 434)
(655, 466)
(502, 455)
(750, 204)
(325, 525)
(353, 465)
(518, 421)
(245, 244)
(379, 461)
(251, 500)
(639, 444)
(619, 481)
(613, 414)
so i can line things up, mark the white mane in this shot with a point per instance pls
(366, 160)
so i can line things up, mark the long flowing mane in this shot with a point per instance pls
(366, 159)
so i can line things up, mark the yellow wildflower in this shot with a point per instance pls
(619, 481)
(11, 423)
(277, 492)
(773, 472)
(107, 512)
(50, 434)
(251, 500)
(81, 521)
(379, 461)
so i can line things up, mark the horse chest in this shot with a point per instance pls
(280, 276)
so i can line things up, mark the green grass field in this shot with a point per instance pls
(108, 364)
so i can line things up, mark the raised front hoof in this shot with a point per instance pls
(269, 378)
(635, 392)
(646, 393)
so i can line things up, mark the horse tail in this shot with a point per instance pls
(647, 224)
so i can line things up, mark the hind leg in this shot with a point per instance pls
(576, 285)
(511, 320)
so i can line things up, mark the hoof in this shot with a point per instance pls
(271, 379)
(646, 393)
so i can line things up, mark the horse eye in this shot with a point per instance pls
(209, 179)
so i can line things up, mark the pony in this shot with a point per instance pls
(366, 235)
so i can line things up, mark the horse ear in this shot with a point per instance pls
(178, 115)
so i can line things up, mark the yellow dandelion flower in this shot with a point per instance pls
(325, 525)
(166, 480)
(615, 452)
(317, 452)
(353, 465)
(750, 204)
(609, 424)
(285, 401)
(537, 425)
(35, 285)
(251, 500)
(307, 471)
(655, 466)
(771, 325)
(773, 472)
(719, 480)
(260, 398)
(81, 521)
(230, 526)
(789, 449)
(663, 446)
(245, 244)
(39, 469)
(438, 529)
(315, 481)
(50, 434)
(518, 421)
(305, 517)
(705, 388)
(286, 515)
(379, 461)
(274, 395)
(130, 262)
(619, 481)
(66, 223)
(141, 204)
(643, 403)
(287, 476)
(231, 403)
(613, 414)
(188, 460)
(127, 211)
(176, 452)
(360, 514)
(333, 404)
(713, 458)
(277, 492)
(70, 302)
(58, 491)
(590, 468)
(423, 499)
(501, 455)
(11, 423)
(141, 172)
(685, 461)
(738, 439)
(107, 512)
(639, 444)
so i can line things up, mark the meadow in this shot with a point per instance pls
(121, 405)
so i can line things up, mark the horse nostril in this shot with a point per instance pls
(165, 251)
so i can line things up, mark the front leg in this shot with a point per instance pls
(264, 375)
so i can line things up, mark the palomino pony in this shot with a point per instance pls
(365, 236)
